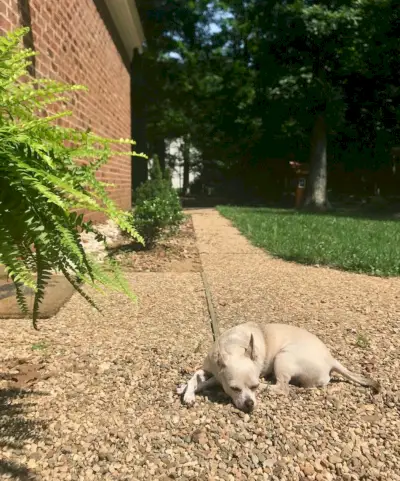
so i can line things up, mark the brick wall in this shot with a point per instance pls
(75, 46)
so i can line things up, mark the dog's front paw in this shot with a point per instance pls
(189, 398)
(181, 389)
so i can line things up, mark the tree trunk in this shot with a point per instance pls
(160, 151)
(316, 190)
(186, 166)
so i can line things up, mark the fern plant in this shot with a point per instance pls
(43, 186)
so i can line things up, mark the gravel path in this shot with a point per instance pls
(104, 406)
(342, 432)
(108, 410)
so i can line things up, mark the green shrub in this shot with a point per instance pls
(156, 186)
(42, 186)
(168, 177)
(157, 217)
(158, 210)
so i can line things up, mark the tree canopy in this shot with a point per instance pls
(251, 80)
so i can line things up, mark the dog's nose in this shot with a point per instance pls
(249, 404)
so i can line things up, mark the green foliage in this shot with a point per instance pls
(363, 341)
(155, 187)
(249, 88)
(371, 246)
(158, 210)
(157, 217)
(43, 187)
(168, 176)
(39, 346)
(156, 173)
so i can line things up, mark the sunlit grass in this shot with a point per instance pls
(354, 244)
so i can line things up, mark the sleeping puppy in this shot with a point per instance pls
(249, 351)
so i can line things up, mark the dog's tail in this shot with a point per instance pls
(358, 378)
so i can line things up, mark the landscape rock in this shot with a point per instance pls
(109, 411)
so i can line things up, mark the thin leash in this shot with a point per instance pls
(211, 311)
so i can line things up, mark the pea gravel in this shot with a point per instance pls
(103, 404)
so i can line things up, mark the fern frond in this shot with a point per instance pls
(21, 299)
(43, 274)
(75, 282)
(42, 182)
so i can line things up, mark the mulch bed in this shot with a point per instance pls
(178, 253)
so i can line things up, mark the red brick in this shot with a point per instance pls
(5, 23)
(75, 47)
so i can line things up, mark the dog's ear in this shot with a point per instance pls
(220, 360)
(250, 352)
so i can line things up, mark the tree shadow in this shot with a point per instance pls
(28, 40)
(358, 212)
(345, 206)
(15, 471)
(16, 430)
(203, 202)
(362, 213)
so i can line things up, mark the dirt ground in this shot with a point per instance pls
(173, 254)
(92, 397)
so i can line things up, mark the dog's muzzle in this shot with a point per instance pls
(248, 405)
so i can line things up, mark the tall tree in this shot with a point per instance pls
(248, 80)
(317, 46)
(176, 47)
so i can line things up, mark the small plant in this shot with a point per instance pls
(362, 341)
(168, 176)
(39, 346)
(158, 210)
(158, 185)
(157, 217)
(42, 184)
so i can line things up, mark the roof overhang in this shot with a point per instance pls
(126, 18)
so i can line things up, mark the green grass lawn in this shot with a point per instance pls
(354, 244)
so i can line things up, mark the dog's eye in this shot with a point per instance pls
(253, 388)
(235, 388)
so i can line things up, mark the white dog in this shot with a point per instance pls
(247, 351)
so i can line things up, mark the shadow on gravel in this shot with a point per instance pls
(216, 395)
(16, 430)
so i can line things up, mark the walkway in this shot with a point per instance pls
(106, 409)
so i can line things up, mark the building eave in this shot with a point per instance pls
(126, 19)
